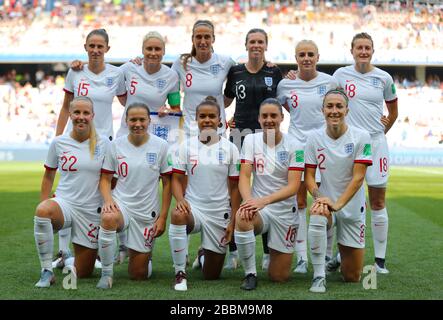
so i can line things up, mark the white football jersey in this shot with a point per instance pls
(138, 170)
(271, 167)
(79, 173)
(366, 93)
(101, 89)
(305, 101)
(150, 89)
(198, 82)
(208, 169)
(335, 159)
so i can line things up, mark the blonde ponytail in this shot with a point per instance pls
(92, 140)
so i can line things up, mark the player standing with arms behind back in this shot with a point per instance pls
(367, 88)
(342, 154)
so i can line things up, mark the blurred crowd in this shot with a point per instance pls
(28, 114)
(62, 25)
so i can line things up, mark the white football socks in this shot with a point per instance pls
(106, 250)
(379, 224)
(330, 241)
(64, 238)
(301, 243)
(178, 241)
(245, 241)
(123, 237)
(317, 242)
(44, 240)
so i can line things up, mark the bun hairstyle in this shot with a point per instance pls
(338, 90)
(99, 32)
(186, 57)
(93, 137)
(208, 101)
(273, 102)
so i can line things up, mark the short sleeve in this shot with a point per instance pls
(180, 159)
(234, 166)
(51, 162)
(121, 88)
(166, 160)
(69, 82)
(281, 94)
(310, 158)
(364, 150)
(390, 92)
(247, 151)
(109, 163)
(297, 158)
(229, 84)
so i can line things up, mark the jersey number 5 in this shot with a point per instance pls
(132, 90)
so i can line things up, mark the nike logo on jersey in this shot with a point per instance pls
(320, 149)
(43, 242)
(120, 157)
(378, 225)
(313, 249)
(65, 152)
(179, 250)
(300, 241)
(349, 80)
(237, 82)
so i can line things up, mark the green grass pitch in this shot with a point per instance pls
(414, 257)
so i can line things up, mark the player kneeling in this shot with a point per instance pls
(271, 205)
(138, 158)
(211, 164)
(342, 154)
(79, 157)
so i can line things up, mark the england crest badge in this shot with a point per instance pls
(268, 81)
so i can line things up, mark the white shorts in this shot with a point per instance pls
(282, 230)
(85, 223)
(140, 232)
(351, 229)
(212, 227)
(377, 174)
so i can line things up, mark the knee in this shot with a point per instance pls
(242, 224)
(138, 275)
(43, 211)
(279, 278)
(109, 221)
(301, 203)
(378, 204)
(211, 276)
(84, 272)
(352, 276)
(178, 217)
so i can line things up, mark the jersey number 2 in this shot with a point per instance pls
(72, 160)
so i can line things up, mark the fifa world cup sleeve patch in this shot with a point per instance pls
(393, 88)
(174, 98)
(299, 156)
(169, 160)
(367, 150)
